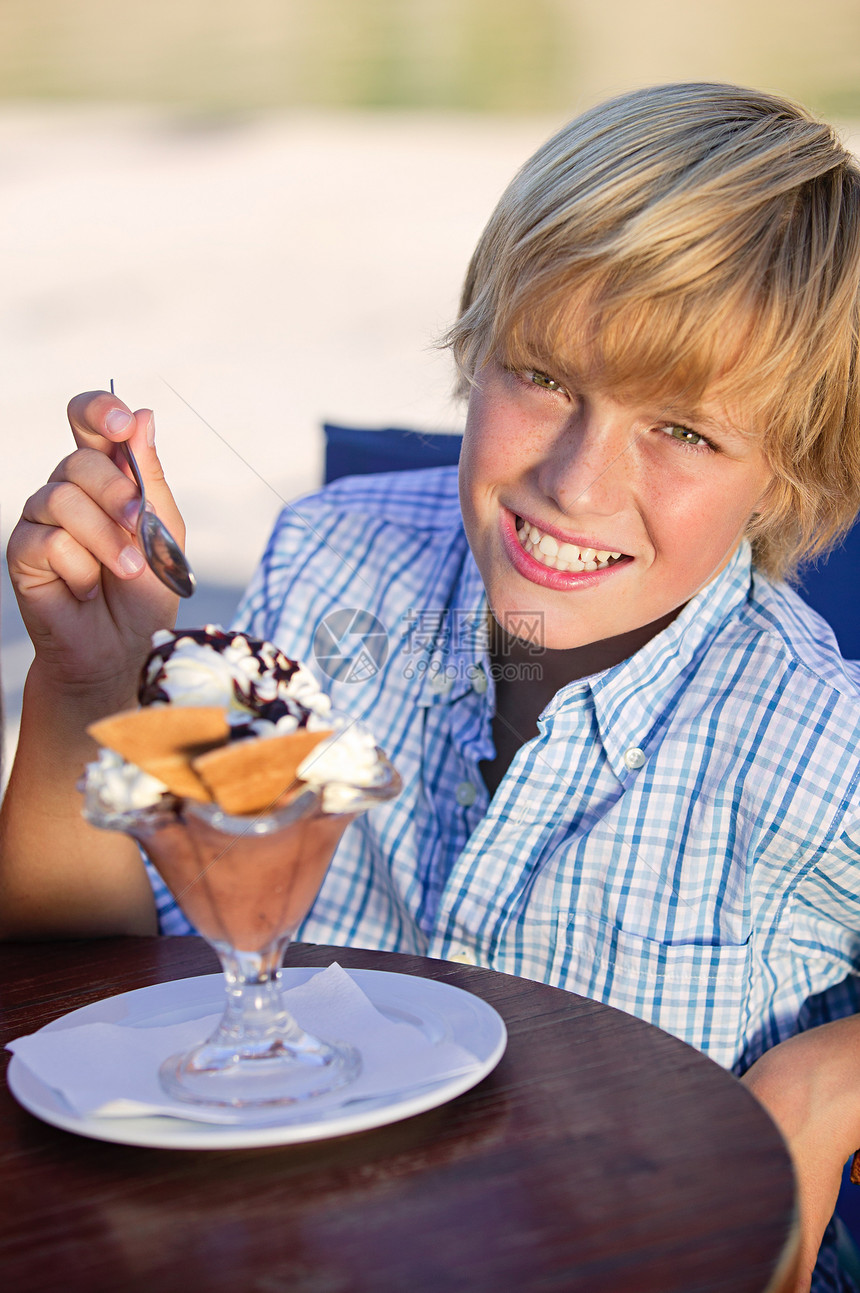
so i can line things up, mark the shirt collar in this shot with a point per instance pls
(628, 699)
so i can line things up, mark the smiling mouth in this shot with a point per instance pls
(555, 555)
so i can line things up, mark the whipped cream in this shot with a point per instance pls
(343, 764)
(245, 676)
(113, 787)
(264, 694)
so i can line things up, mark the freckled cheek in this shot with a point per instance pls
(694, 532)
(501, 441)
(477, 484)
(473, 482)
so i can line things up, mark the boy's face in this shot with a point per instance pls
(544, 466)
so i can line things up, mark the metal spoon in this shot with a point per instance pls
(163, 554)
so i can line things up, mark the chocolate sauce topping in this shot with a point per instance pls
(271, 664)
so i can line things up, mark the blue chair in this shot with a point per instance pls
(351, 451)
(831, 589)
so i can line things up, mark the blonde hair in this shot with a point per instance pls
(691, 237)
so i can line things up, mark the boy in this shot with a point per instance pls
(658, 336)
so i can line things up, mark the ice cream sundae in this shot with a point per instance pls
(238, 780)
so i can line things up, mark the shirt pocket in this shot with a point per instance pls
(699, 992)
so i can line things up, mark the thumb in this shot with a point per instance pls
(158, 494)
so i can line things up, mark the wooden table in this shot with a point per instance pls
(602, 1155)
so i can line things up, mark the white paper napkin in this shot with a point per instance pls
(111, 1070)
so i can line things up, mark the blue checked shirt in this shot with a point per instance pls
(682, 838)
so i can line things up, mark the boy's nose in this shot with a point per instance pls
(589, 469)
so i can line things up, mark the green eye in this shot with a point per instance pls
(685, 435)
(543, 380)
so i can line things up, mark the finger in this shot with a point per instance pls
(62, 508)
(91, 418)
(42, 556)
(102, 480)
(100, 420)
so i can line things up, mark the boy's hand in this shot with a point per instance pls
(810, 1086)
(88, 600)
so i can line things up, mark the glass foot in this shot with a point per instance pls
(258, 1060)
(260, 1081)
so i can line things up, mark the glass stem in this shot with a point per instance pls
(255, 1011)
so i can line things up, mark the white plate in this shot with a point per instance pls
(440, 1010)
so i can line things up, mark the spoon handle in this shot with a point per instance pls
(135, 471)
(132, 462)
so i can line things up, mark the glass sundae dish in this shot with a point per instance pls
(238, 782)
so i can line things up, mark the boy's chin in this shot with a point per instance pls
(537, 630)
(544, 630)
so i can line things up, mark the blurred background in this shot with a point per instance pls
(256, 216)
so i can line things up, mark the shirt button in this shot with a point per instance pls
(466, 794)
(463, 956)
(634, 757)
(440, 684)
(479, 681)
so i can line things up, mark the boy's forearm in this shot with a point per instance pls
(59, 876)
(826, 1068)
(810, 1085)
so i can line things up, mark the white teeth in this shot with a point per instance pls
(546, 549)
